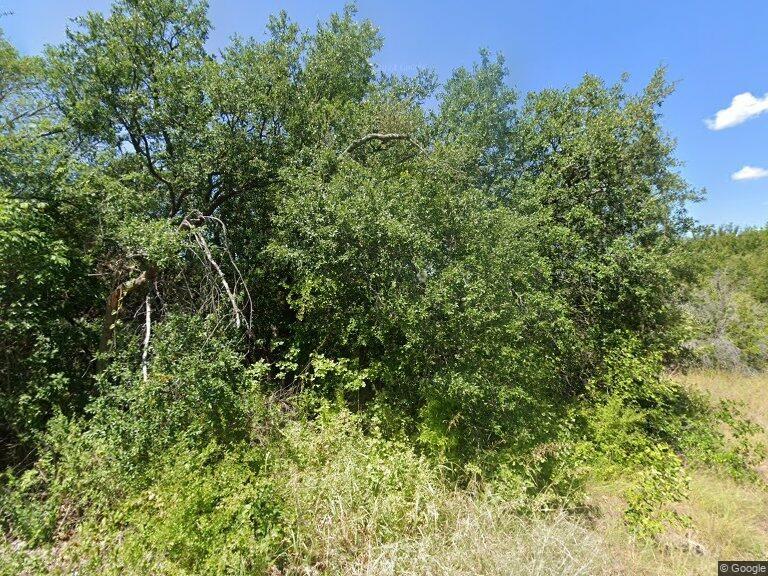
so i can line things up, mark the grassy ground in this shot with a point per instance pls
(343, 523)
(751, 390)
(729, 520)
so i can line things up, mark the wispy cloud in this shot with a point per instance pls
(750, 173)
(743, 107)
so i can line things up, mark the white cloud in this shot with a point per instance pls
(743, 107)
(750, 173)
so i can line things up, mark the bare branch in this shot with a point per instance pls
(230, 294)
(236, 268)
(112, 311)
(382, 137)
(147, 334)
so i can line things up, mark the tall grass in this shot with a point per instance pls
(331, 499)
(749, 389)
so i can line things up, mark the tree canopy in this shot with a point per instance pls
(484, 252)
(188, 236)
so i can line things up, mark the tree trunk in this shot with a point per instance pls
(112, 312)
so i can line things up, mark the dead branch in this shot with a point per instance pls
(230, 294)
(237, 270)
(382, 137)
(147, 334)
(191, 223)
(112, 311)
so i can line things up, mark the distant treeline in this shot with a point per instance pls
(728, 305)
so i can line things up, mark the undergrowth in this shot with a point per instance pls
(313, 487)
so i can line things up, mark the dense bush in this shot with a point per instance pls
(321, 300)
(727, 305)
(45, 282)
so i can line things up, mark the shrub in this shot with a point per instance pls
(323, 303)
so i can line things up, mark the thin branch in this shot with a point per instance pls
(236, 268)
(217, 201)
(52, 132)
(204, 246)
(26, 114)
(147, 334)
(146, 154)
(382, 137)
(222, 197)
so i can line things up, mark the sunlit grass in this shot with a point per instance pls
(750, 390)
(362, 507)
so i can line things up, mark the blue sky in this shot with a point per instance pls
(715, 50)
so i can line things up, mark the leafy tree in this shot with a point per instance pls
(726, 308)
(494, 280)
(44, 226)
(484, 254)
(596, 161)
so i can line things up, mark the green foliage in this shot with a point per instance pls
(638, 425)
(630, 427)
(726, 307)
(195, 394)
(44, 287)
(210, 511)
(314, 291)
(662, 482)
(46, 223)
(239, 508)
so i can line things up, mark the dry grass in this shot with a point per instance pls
(471, 535)
(479, 537)
(460, 533)
(751, 390)
(728, 520)
(362, 507)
